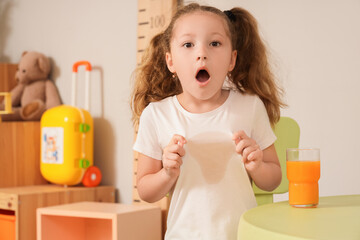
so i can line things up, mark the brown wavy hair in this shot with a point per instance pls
(251, 74)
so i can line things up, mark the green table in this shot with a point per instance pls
(336, 217)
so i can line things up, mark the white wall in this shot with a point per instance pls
(315, 51)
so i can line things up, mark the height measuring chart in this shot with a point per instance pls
(153, 17)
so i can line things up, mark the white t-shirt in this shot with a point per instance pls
(213, 188)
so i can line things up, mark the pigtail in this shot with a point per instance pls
(153, 81)
(252, 73)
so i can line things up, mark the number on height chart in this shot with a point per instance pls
(157, 21)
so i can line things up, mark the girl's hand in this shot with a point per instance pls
(252, 155)
(172, 156)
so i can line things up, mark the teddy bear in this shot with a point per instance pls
(34, 92)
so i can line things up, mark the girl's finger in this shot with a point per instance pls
(171, 156)
(242, 144)
(178, 139)
(176, 148)
(248, 150)
(257, 154)
(238, 136)
(172, 164)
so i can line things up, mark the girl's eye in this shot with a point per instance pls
(215, 44)
(188, 45)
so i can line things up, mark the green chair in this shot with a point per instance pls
(287, 132)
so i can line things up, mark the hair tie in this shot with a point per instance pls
(230, 15)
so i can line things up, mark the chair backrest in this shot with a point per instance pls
(287, 132)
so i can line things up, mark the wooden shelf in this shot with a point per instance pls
(20, 154)
(25, 200)
(93, 221)
(7, 77)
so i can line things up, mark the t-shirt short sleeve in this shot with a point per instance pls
(147, 142)
(262, 132)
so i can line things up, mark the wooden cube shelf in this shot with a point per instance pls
(96, 221)
(20, 154)
(7, 76)
(23, 202)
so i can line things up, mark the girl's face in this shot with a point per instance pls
(201, 54)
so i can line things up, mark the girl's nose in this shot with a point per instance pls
(201, 54)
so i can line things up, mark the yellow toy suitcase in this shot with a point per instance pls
(67, 138)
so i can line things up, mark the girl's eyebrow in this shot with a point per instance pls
(186, 35)
(191, 35)
(217, 33)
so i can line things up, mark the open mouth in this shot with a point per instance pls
(202, 76)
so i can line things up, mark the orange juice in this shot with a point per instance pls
(303, 183)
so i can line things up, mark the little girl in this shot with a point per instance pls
(197, 140)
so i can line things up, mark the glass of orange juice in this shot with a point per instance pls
(303, 173)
